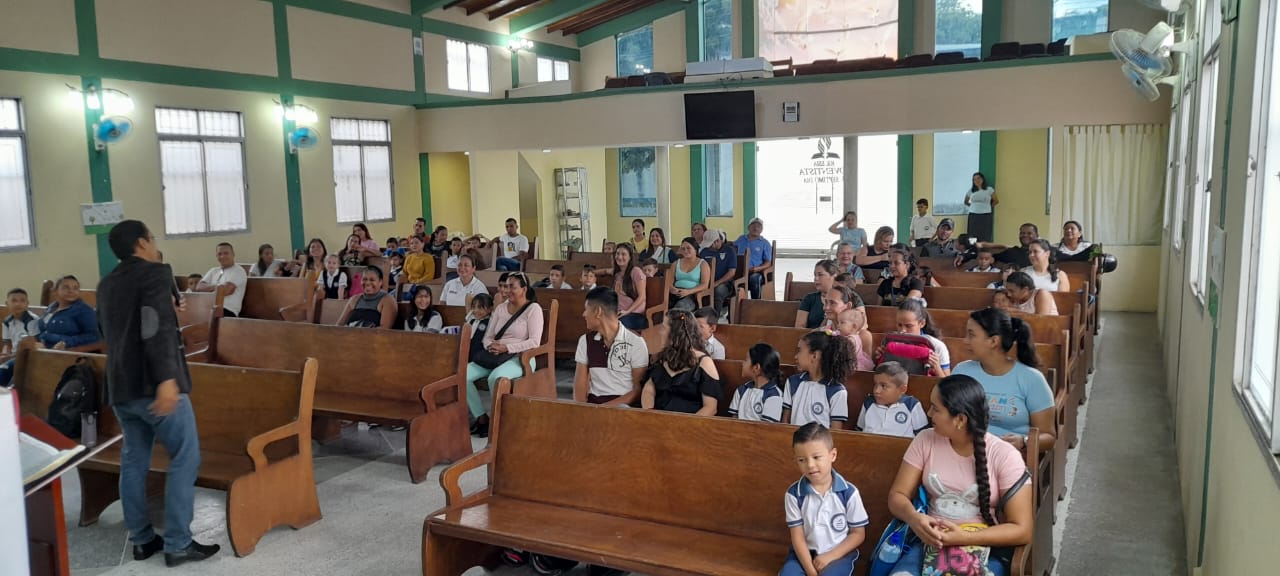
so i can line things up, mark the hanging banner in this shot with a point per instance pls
(99, 217)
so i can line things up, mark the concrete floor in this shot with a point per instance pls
(1120, 518)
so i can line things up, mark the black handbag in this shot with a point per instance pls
(483, 358)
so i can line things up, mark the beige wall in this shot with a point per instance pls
(394, 5)
(668, 43)
(230, 35)
(44, 25)
(451, 191)
(330, 48)
(59, 171)
(599, 61)
(495, 187)
(1050, 94)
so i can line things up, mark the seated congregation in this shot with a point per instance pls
(931, 399)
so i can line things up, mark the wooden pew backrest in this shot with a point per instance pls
(265, 297)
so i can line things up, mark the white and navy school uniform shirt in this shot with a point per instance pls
(757, 404)
(903, 418)
(827, 518)
(810, 401)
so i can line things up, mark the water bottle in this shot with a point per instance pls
(891, 551)
(89, 428)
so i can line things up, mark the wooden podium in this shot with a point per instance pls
(46, 521)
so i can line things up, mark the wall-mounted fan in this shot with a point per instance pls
(111, 129)
(1145, 59)
(302, 139)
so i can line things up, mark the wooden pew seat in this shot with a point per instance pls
(254, 428)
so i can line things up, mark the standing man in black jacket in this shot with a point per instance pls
(147, 387)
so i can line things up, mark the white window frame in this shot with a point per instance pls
(21, 134)
(722, 178)
(556, 67)
(1182, 163)
(1200, 188)
(365, 143)
(470, 83)
(202, 139)
(1265, 418)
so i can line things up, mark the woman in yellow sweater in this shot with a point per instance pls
(419, 267)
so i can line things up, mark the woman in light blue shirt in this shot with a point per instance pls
(981, 200)
(1017, 393)
(848, 230)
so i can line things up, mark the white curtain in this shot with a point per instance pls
(1113, 181)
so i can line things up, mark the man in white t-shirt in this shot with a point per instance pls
(922, 226)
(229, 274)
(514, 248)
(611, 359)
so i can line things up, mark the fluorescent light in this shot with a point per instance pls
(679, 145)
(966, 131)
(546, 150)
(116, 102)
(466, 153)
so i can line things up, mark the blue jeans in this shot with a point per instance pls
(510, 369)
(841, 567)
(6, 373)
(755, 281)
(634, 322)
(177, 432)
(507, 265)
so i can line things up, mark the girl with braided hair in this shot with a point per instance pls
(969, 475)
(817, 393)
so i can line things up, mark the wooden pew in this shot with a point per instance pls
(396, 378)
(278, 298)
(600, 259)
(254, 428)
(194, 322)
(731, 524)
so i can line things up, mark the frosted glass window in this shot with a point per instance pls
(9, 118)
(877, 183)
(955, 159)
(15, 193)
(468, 66)
(801, 184)
(552, 70)
(362, 181)
(456, 55)
(718, 160)
(202, 171)
(561, 70)
(1079, 17)
(478, 67)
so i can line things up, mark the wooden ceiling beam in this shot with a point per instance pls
(548, 12)
(600, 16)
(510, 8)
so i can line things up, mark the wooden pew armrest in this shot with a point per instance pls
(297, 312)
(526, 357)
(1019, 563)
(195, 333)
(201, 355)
(429, 392)
(258, 444)
(97, 348)
(450, 476)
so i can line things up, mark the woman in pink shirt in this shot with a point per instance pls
(969, 475)
(368, 246)
(514, 327)
(629, 282)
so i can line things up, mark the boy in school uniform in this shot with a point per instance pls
(588, 278)
(824, 511)
(922, 225)
(19, 324)
(889, 410)
(611, 360)
(986, 261)
(707, 317)
(556, 278)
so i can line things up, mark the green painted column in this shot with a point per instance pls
(99, 172)
(424, 173)
(987, 165)
(697, 182)
(748, 183)
(515, 69)
(906, 28)
(419, 73)
(693, 39)
(292, 177)
(906, 181)
(747, 13)
(992, 20)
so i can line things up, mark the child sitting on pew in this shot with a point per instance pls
(588, 278)
(852, 324)
(1001, 301)
(817, 392)
(889, 410)
(650, 267)
(914, 319)
(760, 398)
(555, 280)
(396, 266)
(478, 312)
(332, 279)
(193, 280)
(19, 324)
(825, 532)
(986, 261)
(1005, 270)
(423, 317)
(707, 317)
(609, 247)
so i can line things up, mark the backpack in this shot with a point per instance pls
(896, 540)
(909, 350)
(76, 394)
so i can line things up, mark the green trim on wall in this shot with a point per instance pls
(747, 14)
(478, 36)
(906, 180)
(87, 28)
(748, 183)
(697, 182)
(284, 63)
(515, 69)
(629, 22)
(292, 182)
(353, 10)
(992, 19)
(99, 174)
(424, 6)
(693, 38)
(547, 13)
(19, 60)
(419, 68)
(987, 162)
(906, 30)
(424, 175)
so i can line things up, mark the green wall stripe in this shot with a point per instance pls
(478, 36)
(515, 69)
(424, 6)
(20, 60)
(693, 39)
(424, 174)
(906, 180)
(748, 183)
(292, 173)
(419, 72)
(629, 22)
(87, 28)
(747, 12)
(284, 63)
(353, 10)
(99, 175)
(987, 164)
(906, 29)
(547, 13)
(992, 19)
(697, 182)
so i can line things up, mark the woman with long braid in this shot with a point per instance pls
(969, 475)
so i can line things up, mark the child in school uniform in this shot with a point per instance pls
(478, 312)
(423, 317)
(986, 261)
(852, 324)
(588, 278)
(824, 511)
(556, 279)
(19, 324)
(706, 318)
(760, 398)
(889, 410)
(817, 393)
(332, 279)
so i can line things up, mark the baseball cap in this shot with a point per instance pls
(947, 222)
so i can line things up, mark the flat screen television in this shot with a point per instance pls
(720, 115)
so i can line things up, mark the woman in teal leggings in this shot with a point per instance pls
(516, 326)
